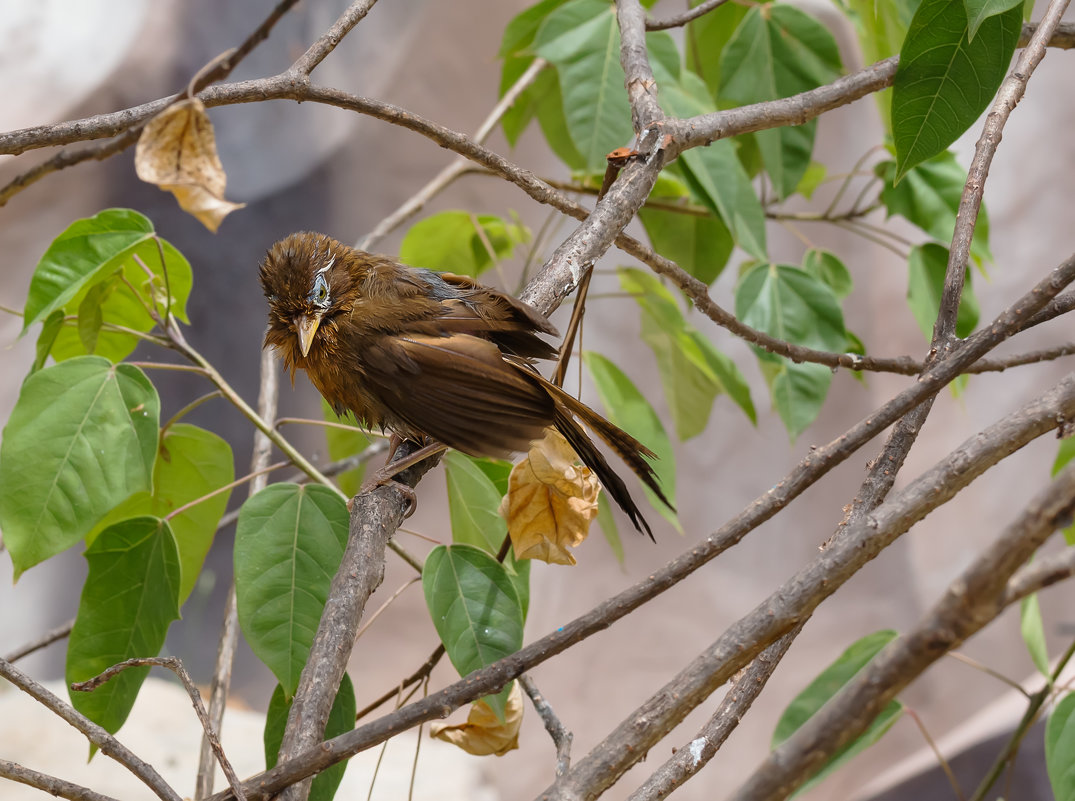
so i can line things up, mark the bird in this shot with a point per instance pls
(431, 356)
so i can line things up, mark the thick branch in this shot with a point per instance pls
(641, 86)
(49, 784)
(268, 395)
(971, 602)
(817, 464)
(796, 599)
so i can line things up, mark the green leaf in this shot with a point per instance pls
(777, 52)
(789, 303)
(626, 407)
(1060, 749)
(519, 573)
(342, 443)
(1033, 630)
(120, 305)
(475, 609)
(450, 241)
(693, 372)
(582, 40)
(881, 29)
(288, 545)
(928, 196)
(700, 245)
(86, 251)
(191, 463)
(827, 268)
(707, 37)
(827, 684)
(813, 178)
(714, 173)
(473, 504)
(129, 600)
(927, 266)
(517, 52)
(90, 318)
(81, 438)
(49, 331)
(1064, 454)
(978, 11)
(498, 471)
(341, 719)
(609, 528)
(944, 81)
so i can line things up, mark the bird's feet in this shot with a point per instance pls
(381, 478)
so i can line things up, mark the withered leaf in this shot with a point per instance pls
(483, 734)
(177, 152)
(551, 500)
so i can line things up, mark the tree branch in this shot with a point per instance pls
(970, 202)
(796, 599)
(561, 736)
(108, 744)
(971, 601)
(49, 784)
(268, 395)
(811, 469)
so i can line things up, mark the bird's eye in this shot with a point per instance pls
(319, 296)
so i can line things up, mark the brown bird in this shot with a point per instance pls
(427, 354)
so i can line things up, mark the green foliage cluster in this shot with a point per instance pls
(85, 457)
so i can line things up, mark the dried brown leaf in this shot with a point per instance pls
(483, 734)
(551, 500)
(177, 152)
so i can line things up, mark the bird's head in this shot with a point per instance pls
(306, 280)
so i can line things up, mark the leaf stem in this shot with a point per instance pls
(226, 488)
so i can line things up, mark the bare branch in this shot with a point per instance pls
(320, 49)
(561, 737)
(49, 784)
(971, 602)
(817, 464)
(46, 639)
(682, 19)
(794, 601)
(1039, 574)
(692, 757)
(67, 158)
(641, 86)
(268, 395)
(458, 167)
(970, 202)
(176, 666)
(108, 744)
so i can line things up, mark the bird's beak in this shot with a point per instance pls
(307, 324)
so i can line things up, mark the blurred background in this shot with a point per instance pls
(310, 167)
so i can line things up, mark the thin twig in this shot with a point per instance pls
(176, 666)
(108, 744)
(268, 395)
(692, 757)
(320, 49)
(972, 601)
(46, 639)
(416, 202)
(945, 767)
(682, 19)
(1011, 748)
(561, 736)
(418, 676)
(49, 784)
(1039, 574)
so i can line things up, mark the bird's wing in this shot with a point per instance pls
(458, 389)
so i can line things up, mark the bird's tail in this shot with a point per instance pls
(626, 447)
